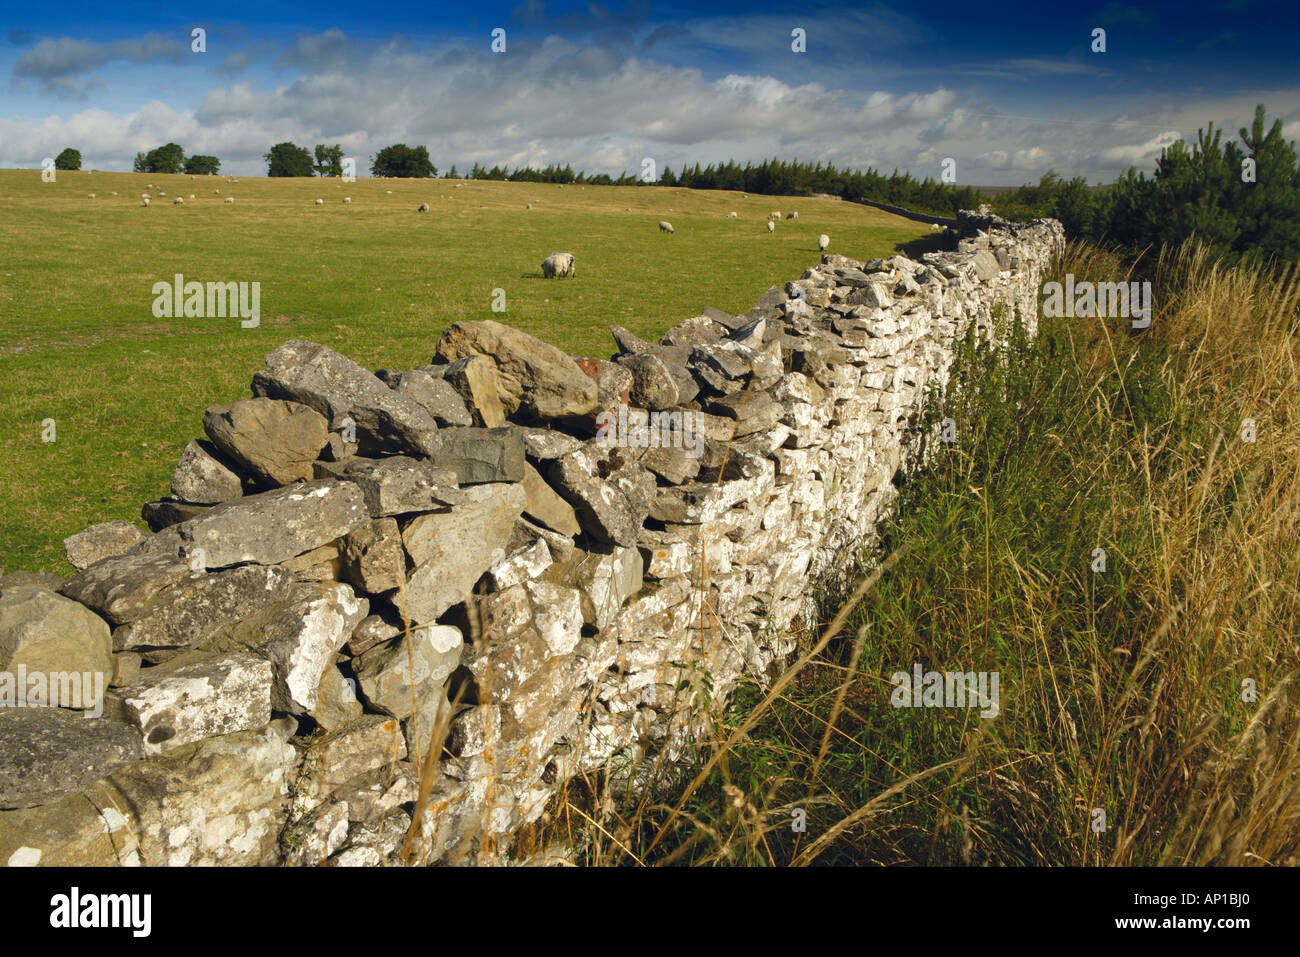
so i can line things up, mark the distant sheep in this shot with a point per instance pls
(144, 200)
(389, 192)
(151, 186)
(144, 195)
(178, 201)
(934, 227)
(191, 195)
(791, 215)
(528, 205)
(731, 215)
(161, 193)
(774, 214)
(665, 227)
(424, 208)
(320, 202)
(627, 209)
(90, 196)
(230, 200)
(558, 266)
(216, 192)
(771, 226)
(112, 194)
(823, 241)
(347, 199)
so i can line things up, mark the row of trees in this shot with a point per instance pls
(171, 158)
(398, 160)
(1241, 199)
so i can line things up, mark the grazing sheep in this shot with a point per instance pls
(771, 226)
(144, 200)
(320, 202)
(731, 215)
(216, 192)
(823, 241)
(90, 196)
(178, 201)
(774, 214)
(191, 195)
(112, 194)
(627, 209)
(389, 192)
(743, 196)
(665, 227)
(528, 205)
(347, 199)
(230, 200)
(424, 208)
(557, 265)
(161, 193)
(144, 195)
(934, 227)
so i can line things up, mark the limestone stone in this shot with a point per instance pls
(373, 559)
(274, 439)
(534, 377)
(43, 633)
(202, 478)
(474, 377)
(482, 455)
(385, 674)
(101, 541)
(49, 752)
(339, 389)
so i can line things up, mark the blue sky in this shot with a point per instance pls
(1006, 89)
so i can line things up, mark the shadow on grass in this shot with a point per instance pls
(916, 248)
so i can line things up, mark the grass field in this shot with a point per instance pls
(79, 343)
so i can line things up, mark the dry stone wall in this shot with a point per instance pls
(510, 561)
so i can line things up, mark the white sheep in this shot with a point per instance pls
(557, 266)
(112, 194)
(90, 196)
(320, 202)
(144, 201)
(823, 241)
(528, 205)
(771, 226)
(230, 200)
(389, 192)
(347, 199)
(151, 186)
(216, 192)
(178, 201)
(191, 195)
(144, 195)
(791, 215)
(731, 215)
(774, 214)
(424, 208)
(161, 193)
(665, 227)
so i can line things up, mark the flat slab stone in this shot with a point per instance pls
(49, 752)
(101, 541)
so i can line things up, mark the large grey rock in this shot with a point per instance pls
(43, 579)
(482, 455)
(653, 387)
(696, 331)
(202, 478)
(336, 700)
(474, 377)
(101, 541)
(451, 550)
(534, 377)
(339, 389)
(397, 484)
(385, 673)
(275, 440)
(531, 624)
(610, 494)
(197, 697)
(200, 604)
(542, 445)
(753, 411)
(986, 265)
(46, 634)
(438, 396)
(123, 588)
(49, 752)
(272, 527)
(299, 636)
